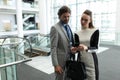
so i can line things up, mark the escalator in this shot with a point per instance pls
(11, 54)
(40, 44)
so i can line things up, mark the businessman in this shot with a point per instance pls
(61, 39)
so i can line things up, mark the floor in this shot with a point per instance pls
(43, 63)
(40, 68)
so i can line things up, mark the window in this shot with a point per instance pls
(104, 13)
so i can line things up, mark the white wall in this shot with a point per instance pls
(118, 16)
(117, 29)
(44, 15)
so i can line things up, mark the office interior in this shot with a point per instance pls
(25, 42)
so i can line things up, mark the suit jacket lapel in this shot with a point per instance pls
(63, 30)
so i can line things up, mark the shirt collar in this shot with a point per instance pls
(63, 24)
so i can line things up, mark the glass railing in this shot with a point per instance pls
(40, 44)
(12, 53)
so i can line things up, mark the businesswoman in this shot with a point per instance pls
(89, 39)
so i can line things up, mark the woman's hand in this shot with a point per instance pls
(82, 47)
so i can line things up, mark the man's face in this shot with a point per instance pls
(65, 17)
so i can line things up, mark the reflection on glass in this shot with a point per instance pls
(104, 15)
(30, 3)
(29, 22)
(40, 44)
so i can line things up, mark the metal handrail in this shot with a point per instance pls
(14, 63)
(5, 37)
(43, 38)
(22, 57)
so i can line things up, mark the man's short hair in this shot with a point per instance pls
(64, 9)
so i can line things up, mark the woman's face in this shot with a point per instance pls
(85, 20)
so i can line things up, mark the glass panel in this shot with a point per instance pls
(3, 74)
(7, 22)
(11, 54)
(29, 22)
(40, 44)
(11, 71)
(30, 3)
(8, 73)
(7, 56)
(10, 3)
(104, 13)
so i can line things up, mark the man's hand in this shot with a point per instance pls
(73, 49)
(58, 69)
